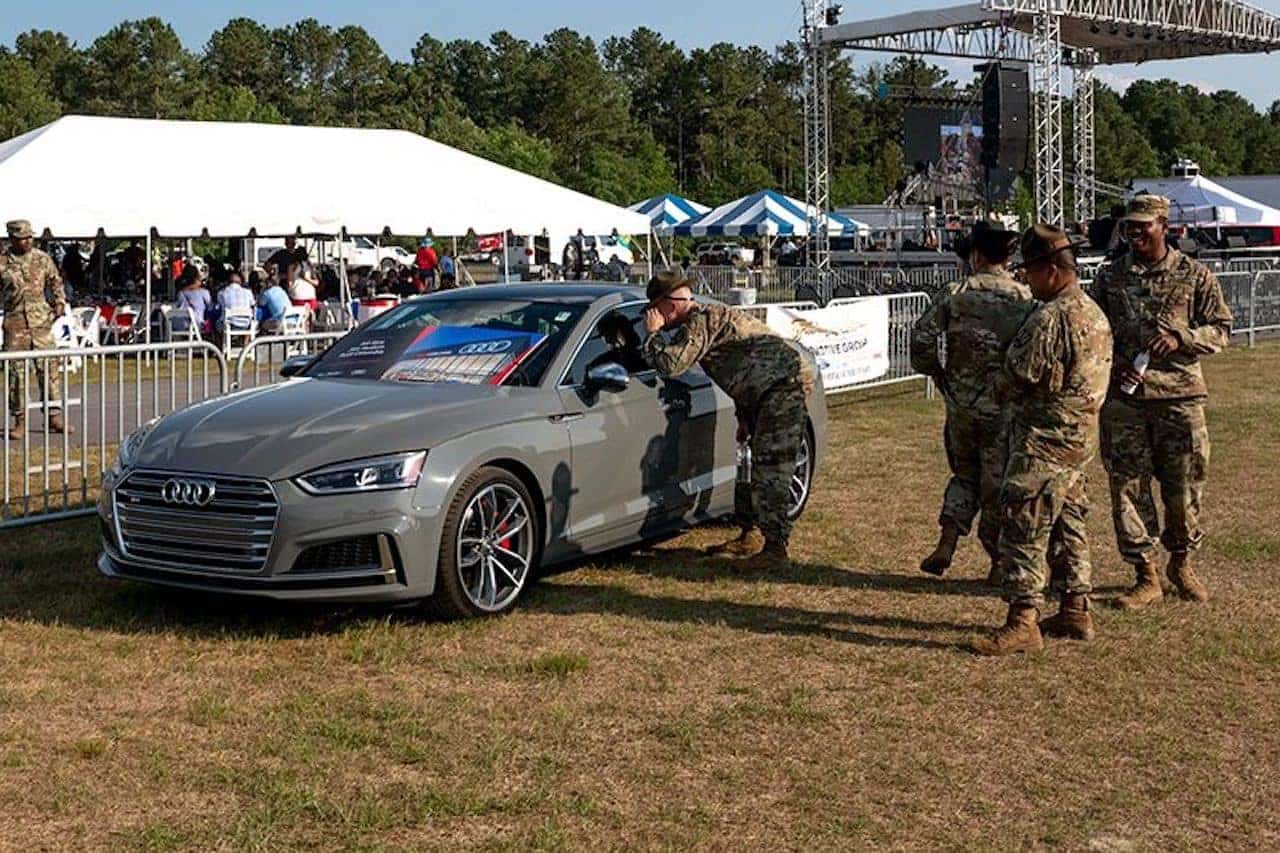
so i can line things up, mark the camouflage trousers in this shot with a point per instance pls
(977, 449)
(777, 430)
(1165, 440)
(1043, 543)
(34, 381)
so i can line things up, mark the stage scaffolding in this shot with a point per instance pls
(1048, 36)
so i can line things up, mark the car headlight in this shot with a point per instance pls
(380, 474)
(130, 446)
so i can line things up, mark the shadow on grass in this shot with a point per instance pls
(575, 598)
(692, 565)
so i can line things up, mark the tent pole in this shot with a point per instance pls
(648, 250)
(506, 262)
(146, 275)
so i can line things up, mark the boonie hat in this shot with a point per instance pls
(19, 228)
(1146, 207)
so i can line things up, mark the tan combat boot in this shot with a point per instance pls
(773, 557)
(58, 425)
(939, 561)
(1073, 621)
(1146, 591)
(1019, 634)
(1184, 580)
(19, 427)
(748, 543)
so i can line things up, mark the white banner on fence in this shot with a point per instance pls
(850, 342)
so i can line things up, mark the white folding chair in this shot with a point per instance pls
(180, 325)
(89, 318)
(238, 323)
(67, 335)
(294, 321)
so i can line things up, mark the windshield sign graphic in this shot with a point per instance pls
(474, 356)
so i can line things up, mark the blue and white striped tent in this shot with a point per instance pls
(667, 211)
(763, 214)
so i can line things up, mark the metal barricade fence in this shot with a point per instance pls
(904, 310)
(102, 394)
(266, 355)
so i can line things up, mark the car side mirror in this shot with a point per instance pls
(296, 366)
(608, 377)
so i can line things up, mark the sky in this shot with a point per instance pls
(397, 24)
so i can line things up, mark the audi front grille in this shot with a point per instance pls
(196, 522)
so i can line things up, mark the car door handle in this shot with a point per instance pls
(567, 418)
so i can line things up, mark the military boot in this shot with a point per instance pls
(748, 543)
(773, 557)
(1020, 633)
(1184, 579)
(19, 427)
(1073, 621)
(1146, 591)
(939, 561)
(58, 425)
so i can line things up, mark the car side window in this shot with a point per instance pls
(616, 339)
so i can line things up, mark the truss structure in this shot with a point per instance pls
(1051, 35)
(817, 135)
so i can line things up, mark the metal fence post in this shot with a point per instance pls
(1253, 307)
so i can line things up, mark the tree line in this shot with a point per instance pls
(623, 120)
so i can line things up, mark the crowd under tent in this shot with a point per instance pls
(84, 177)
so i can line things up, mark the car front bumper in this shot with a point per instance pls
(396, 544)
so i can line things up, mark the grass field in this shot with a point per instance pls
(658, 701)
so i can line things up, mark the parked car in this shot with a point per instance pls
(357, 251)
(723, 254)
(443, 451)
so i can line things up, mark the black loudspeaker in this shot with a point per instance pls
(1006, 116)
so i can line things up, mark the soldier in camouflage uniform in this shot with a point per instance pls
(25, 274)
(975, 319)
(769, 381)
(1055, 379)
(1170, 307)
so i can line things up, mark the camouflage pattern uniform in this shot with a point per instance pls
(1160, 429)
(1055, 377)
(769, 382)
(28, 318)
(979, 317)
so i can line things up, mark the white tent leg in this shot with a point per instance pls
(648, 251)
(146, 276)
(506, 262)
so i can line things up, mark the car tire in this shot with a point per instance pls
(802, 481)
(483, 571)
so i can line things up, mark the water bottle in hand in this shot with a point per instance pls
(1140, 365)
(744, 462)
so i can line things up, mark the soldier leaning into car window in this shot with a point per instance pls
(25, 273)
(769, 381)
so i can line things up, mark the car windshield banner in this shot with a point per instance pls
(474, 356)
(850, 342)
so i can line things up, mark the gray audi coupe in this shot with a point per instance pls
(443, 451)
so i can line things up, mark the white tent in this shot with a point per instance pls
(128, 177)
(1196, 200)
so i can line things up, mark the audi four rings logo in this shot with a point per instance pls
(188, 492)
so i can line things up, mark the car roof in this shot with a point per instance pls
(569, 291)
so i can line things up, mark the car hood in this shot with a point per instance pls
(288, 429)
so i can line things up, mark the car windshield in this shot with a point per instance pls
(473, 341)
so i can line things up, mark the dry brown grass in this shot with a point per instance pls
(661, 702)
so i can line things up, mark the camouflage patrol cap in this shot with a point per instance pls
(19, 228)
(664, 284)
(1145, 207)
(1042, 242)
